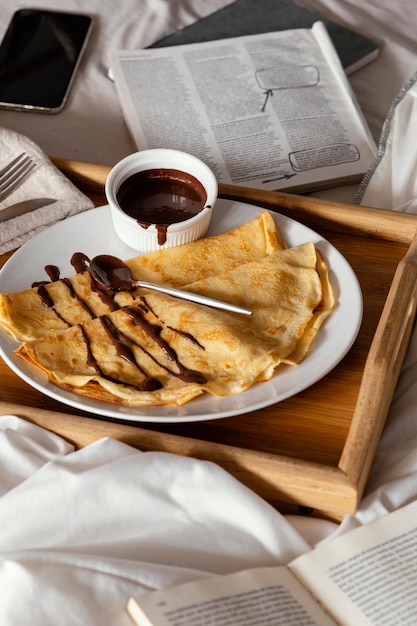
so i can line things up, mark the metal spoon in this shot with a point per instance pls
(113, 274)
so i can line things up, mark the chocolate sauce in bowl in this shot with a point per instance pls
(161, 196)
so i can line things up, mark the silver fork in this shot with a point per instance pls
(13, 175)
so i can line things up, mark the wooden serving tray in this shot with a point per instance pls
(311, 453)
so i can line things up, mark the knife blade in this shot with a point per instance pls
(20, 208)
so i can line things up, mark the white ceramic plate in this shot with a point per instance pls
(92, 233)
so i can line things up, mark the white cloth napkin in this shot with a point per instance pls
(391, 181)
(45, 181)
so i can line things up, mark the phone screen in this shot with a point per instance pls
(39, 56)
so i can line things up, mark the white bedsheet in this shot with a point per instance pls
(92, 127)
(80, 531)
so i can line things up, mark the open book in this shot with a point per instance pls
(366, 577)
(272, 111)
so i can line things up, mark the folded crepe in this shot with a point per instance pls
(31, 313)
(153, 349)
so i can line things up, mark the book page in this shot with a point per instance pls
(368, 576)
(271, 111)
(270, 595)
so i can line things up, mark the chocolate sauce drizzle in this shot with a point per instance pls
(124, 351)
(73, 294)
(81, 263)
(53, 274)
(48, 302)
(154, 331)
(188, 336)
(124, 345)
(46, 298)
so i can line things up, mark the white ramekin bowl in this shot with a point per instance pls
(145, 239)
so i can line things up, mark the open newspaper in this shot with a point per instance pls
(271, 111)
(366, 577)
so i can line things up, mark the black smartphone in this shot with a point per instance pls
(39, 56)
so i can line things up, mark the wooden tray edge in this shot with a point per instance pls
(381, 371)
(340, 217)
(286, 483)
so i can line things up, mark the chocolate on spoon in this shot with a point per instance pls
(113, 274)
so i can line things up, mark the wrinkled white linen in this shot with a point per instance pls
(80, 531)
(92, 127)
(391, 182)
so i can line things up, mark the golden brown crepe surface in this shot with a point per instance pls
(25, 316)
(154, 340)
(229, 350)
(182, 265)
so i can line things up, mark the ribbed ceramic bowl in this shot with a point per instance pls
(145, 239)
